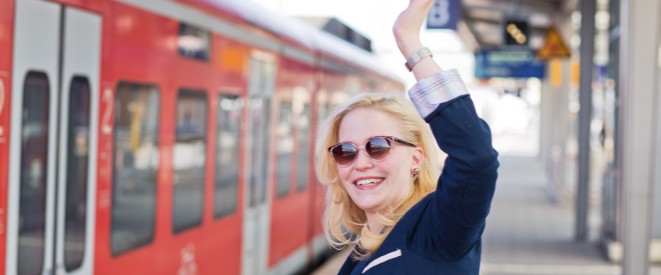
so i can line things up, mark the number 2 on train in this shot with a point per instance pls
(106, 128)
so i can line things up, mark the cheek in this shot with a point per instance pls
(395, 172)
(344, 173)
(397, 167)
(396, 161)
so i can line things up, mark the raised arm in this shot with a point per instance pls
(407, 35)
(461, 203)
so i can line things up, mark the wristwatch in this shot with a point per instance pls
(416, 57)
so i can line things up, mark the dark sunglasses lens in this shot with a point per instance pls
(344, 153)
(378, 148)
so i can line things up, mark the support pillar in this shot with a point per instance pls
(640, 29)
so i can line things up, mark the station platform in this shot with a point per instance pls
(526, 232)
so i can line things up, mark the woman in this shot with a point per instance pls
(377, 156)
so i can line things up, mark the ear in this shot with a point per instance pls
(418, 158)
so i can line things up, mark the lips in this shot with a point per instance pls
(367, 183)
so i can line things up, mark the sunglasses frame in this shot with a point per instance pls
(391, 138)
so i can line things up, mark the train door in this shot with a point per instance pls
(257, 219)
(52, 178)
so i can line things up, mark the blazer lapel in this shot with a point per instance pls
(382, 259)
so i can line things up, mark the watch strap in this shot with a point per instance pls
(416, 57)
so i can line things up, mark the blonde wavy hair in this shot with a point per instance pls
(344, 222)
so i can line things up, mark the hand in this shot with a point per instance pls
(408, 24)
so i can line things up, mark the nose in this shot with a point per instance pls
(363, 161)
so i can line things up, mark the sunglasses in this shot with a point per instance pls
(377, 148)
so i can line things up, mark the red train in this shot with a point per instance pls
(164, 137)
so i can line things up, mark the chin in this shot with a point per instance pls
(368, 207)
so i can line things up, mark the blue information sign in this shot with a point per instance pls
(507, 63)
(444, 14)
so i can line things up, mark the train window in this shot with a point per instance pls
(189, 160)
(303, 122)
(33, 175)
(135, 166)
(193, 42)
(260, 90)
(284, 148)
(77, 171)
(227, 152)
(259, 111)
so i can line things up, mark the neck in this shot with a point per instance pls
(372, 223)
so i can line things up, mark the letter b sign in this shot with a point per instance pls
(444, 14)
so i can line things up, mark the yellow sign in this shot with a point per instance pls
(555, 67)
(554, 46)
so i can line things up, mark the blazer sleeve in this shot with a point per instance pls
(454, 222)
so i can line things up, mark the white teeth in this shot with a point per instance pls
(368, 182)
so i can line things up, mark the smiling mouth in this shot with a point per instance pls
(368, 182)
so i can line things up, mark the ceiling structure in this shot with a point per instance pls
(482, 20)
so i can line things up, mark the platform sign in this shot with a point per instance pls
(507, 63)
(445, 14)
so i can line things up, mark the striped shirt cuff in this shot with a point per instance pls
(441, 87)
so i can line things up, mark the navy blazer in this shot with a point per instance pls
(441, 234)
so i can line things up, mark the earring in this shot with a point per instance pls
(416, 171)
